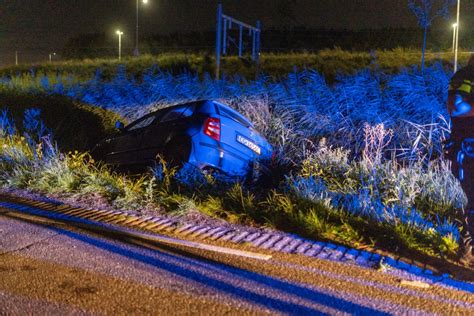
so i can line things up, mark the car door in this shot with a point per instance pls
(125, 148)
(172, 124)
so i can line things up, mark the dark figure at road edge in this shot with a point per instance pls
(461, 151)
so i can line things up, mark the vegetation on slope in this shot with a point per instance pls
(317, 201)
(76, 126)
(328, 62)
(360, 160)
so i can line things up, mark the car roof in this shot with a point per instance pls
(203, 103)
(198, 104)
(234, 114)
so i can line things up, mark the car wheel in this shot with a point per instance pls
(210, 171)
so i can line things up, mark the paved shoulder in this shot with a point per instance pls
(88, 272)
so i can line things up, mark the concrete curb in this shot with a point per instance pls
(268, 240)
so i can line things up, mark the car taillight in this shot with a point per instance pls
(212, 128)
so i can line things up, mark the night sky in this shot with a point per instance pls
(37, 27)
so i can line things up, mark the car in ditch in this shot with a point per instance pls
(207, 134)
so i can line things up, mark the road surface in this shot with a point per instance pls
(60, 269)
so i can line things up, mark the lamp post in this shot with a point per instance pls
(136, 52)
(51, 56)
(455, 26)
(457, 38)
(119, 33)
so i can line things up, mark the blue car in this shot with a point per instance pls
(206, 134)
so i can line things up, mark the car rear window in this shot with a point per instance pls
(178, 112)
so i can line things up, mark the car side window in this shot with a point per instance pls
(141, 124)
(178, 112)
(189, 111)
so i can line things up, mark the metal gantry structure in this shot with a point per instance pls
(226, 23)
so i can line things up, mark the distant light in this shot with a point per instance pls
(455, 25)
(145, 1)
(51, 56)
(119, 32)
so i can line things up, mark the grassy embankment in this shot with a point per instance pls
(329, 62)
(382, 182)
(357, 204)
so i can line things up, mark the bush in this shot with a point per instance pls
(75, 125)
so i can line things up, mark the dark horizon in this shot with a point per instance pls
(37, 27)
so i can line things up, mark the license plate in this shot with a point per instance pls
(248, 143)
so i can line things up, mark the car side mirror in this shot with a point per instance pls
(119, 125)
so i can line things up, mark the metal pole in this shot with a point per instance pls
(454, 36)
(257, 40)
(137, 52)
(240, 40)
(218, 40)
(253, 44)
(224, 44)
(457, 38)
(120, 45)
(257, 49)
(16, 58)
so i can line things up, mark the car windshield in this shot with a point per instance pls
(141, 123)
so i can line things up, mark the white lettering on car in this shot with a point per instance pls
(244, 141)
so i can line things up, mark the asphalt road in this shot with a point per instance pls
(60, 269)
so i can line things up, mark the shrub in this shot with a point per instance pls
(75, 125)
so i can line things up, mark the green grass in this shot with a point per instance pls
(40, 167)
(328, 62)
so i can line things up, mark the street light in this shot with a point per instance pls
(455, 26)
(136, 52)
(51, 56)
(457, 38)
(119, 33)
